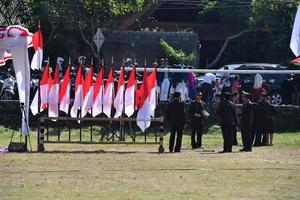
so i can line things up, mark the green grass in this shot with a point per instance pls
(139, 172)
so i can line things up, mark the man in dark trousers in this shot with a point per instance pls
(246, 122)
(176, 118)
(196, 113)
(226, 111)
(263, 114)
(235, 100)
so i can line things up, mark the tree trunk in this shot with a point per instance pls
(228, 39)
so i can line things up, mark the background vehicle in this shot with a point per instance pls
(277, 85)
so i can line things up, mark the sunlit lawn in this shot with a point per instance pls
(75, 171)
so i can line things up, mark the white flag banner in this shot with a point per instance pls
(14, 40)
(295, 39)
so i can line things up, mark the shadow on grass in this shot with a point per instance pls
(86, 152)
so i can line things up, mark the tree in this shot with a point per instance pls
(54, 15)
(175, 55)
(270, 21)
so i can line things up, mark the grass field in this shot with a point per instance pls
(139, 172)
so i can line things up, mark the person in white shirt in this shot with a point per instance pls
(207, 87)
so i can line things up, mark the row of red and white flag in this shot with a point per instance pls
(96, 97)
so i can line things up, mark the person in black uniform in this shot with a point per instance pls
(176, 118)
(235, 99)
(263, 114)
(227, 112)
(196, 112)
(246, 122)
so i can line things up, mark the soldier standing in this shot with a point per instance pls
(263, 114)
(176, 118)
(226, 111)
(196, 113)
(246, 122)
(235, 99)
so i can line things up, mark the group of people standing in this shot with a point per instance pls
(256, 121)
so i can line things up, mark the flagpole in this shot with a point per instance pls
(40, 146)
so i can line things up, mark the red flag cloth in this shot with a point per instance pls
(108, 94)
(37, 42)
(44, 85)
(119, 100)
(78, 94)
(64, 96)
(143, 118)
(296, 60)
(87, 93)
(129, 94)
(152, 91)
(54, 94)
(98, 94)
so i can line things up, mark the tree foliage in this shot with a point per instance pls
(175, 55)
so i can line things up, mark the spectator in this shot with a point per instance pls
(257, 88)
(207, 87)
(236, 84)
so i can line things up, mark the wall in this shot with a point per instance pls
(145, 45)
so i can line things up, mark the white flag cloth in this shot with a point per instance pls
(108, 95)
(119, 99)
(88, 89)
(64, 96)
(78, 94)
(15, 39)
(143, 119)
(54, 95)
(295, 39)
(129, 94)
(98, 94)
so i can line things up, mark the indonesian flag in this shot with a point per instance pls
(78, 94)
(152, 91)
(87, 93)
(54, 95)
(108, 94)
(37, 42)
(44, 86)
(119, 100)
(143, 118)
(129, 94)
(98, 94)
(64, 95)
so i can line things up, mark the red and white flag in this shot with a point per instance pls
(98, 94)
(88, 89)
(129, 94)
(119, 100)
(108, 94)
(44, 87)
(78, 94)
(37, 41)
(143, 118)
(64, 95)
(152, 91)
(54, 95)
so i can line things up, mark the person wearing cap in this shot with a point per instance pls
(235, 100)
(176, 119)
(227, 112)
(246, 122)
(263, 114)
(196, 113)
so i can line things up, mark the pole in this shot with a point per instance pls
(203, 71)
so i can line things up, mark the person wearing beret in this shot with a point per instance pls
(227, 113)
(196, 113)
(246, 122)
(176, 118)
